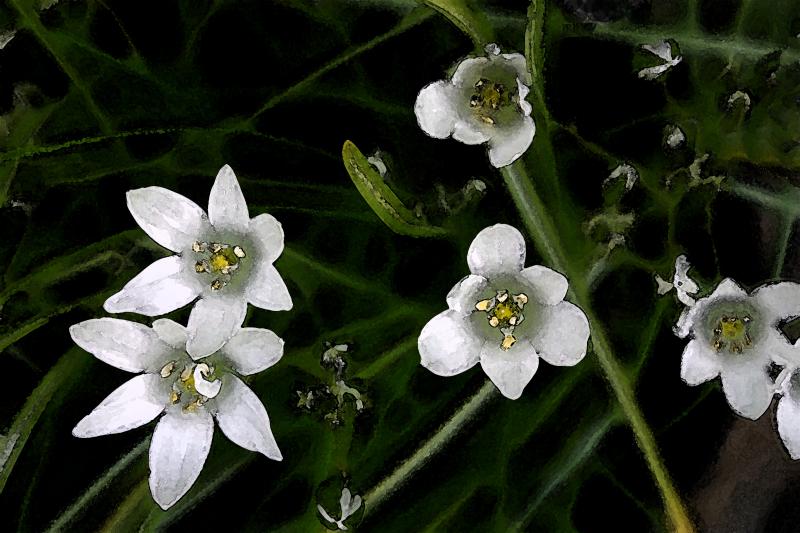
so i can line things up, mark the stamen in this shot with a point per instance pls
(167, 369)
(508, 342)
(174, 397)
(238, 251)
(494, 321)
(483, 305)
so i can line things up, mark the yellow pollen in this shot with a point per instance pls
(508, 342)
(732, 328)
(503, 311)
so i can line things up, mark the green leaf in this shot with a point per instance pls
(383, 201)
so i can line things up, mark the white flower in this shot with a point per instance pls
(483, 102)
(788, 412)
(504, 315)
(225, 258)
(735, 335)
(663, 50)
(684, 285)
(348, 505)
(191, 392)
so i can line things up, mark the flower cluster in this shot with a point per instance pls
(222, 260)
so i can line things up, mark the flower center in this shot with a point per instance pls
(220, 260)
(488, 98)
(504, 311)
(193, 386)
(732, 332)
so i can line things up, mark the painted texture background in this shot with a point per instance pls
(102, 97)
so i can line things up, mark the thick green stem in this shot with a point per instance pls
(542, 230)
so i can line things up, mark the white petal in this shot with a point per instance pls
(728, 288)
(209, 389)
(252, 350)
(466, 133)
(158, 289)
(469, 71)
(507, 146)
(662, 49)
(465, 294)
(267, 233)
(178, 451)
(135, 403)
(120, 343)
(518, 64)
(788, 417)
(548, 286)
(686, 321)
(172, 220)
(781, 300)
(681, 280)
(522, 93)
(227, 208)
(498, 249)
(243, 418)
(747, 387)
(699, 363)
(435, 109)
(561, 335)
(213, 321)
(447, 345)
(510, 371)
(171, 333)
(266, 289)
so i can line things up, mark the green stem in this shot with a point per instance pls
(378, 494)
(540, 226)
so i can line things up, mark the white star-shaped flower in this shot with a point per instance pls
(484, 102)
(735, 335)
(191, 392)
(224, 257)
(663, 50)
(504, 316)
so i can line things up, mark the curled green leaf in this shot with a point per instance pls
(383, 201)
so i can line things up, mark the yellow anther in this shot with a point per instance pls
(494, 322)
(217, 285)
(483, 305)
(503, 311)
(174, 397)
(186, 373)
(508, 342)
(200, 267)
(198, 247)
(502, 296)
(238, 251)
(521, 299)
(167, 369)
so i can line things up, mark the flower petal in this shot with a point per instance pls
(782, 300)
(178, 451)
(686, 321)
(172, 220)
(465, 294)
(728, 288)
(747, 387)
(788, 417)
(267, 233)
(158, 289)
(435, 109)
(243, 418)
(561, 335)
(510, 371)
(517, 62)
(699, 363)
(447, 345)
(120, 343)
(266, 289)
(548, 286)
(498, 249)
(135, 403)
(466, 133)
(227, 208)
(469, 71)
(507, 146)
(252, 350)
(171, 333)
(213, 321)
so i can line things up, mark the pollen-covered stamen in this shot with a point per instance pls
(166, 370)
(489, 97)
(504, 311)
(732, 332)
(220, 260)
